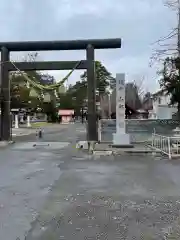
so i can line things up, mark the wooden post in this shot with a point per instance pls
(5, 93)
(92, 134)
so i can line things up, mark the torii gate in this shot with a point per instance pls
(88, 45)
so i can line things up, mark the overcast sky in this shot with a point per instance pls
(138, 22)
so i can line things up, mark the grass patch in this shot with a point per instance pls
(40, 124)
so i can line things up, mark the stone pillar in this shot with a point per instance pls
(28, 121)
(120, 137)
(16, 121)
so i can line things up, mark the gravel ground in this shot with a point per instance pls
(112, 198)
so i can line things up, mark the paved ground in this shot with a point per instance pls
(26, 175)
(57, 192)
(30, 133)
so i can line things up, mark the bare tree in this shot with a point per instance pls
(139, 83)
(173, 4)
(31, 57)
(134, 94)
(168, 46)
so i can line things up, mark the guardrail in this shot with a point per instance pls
(167, 145)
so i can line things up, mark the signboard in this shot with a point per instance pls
(120, 102)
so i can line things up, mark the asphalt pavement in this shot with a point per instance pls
(27, 174)
(51, 191)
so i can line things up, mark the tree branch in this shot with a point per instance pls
(171, 4)
(172, 34)
(172, 48)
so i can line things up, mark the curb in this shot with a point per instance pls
(83, 145)
(109, 153)
(124, 152)
(5, 143)
(132, 142)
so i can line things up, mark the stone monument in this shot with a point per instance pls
(120, 138)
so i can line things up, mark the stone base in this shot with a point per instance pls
(86, 145)
(121, 139)
(82, 145)
(5, 143)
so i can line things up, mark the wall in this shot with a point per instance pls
(161, 107)
(164, 112)
(139, 130)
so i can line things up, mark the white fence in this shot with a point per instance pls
(167, 145)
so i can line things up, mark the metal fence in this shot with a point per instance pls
(167, 145)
